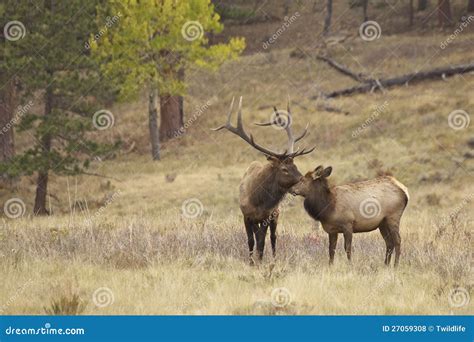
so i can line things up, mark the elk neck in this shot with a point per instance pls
(320, 201)
(267, 193)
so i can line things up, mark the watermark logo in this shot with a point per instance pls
(103, 297)
(109, 22)
(458, 297)
(103, 119)
(464, 23)
(14, 30)
(102, 209)
(370, 120)
(192, 30)
(20, 112)
(14, 208)
(197, 113)
(459, 119)
(281, 297)
(286, 24)
(370, 208)
(192, 208)
(280, 119)
(370, 30)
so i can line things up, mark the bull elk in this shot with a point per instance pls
(263, 186)
(355, 208)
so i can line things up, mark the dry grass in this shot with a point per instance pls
(200, 267)
(130, 236)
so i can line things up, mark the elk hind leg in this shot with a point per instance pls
(387, 236)
(347, 232)
(394, 228)
(348, 244)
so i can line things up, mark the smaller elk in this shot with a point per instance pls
(263, 186)
(355, 208)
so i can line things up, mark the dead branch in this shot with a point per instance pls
(359, 77)
(419, 76)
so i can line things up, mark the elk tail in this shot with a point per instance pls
(403, 188)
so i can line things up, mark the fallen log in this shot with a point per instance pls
(359, 77)
(380, 84)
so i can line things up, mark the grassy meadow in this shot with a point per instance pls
(168, 237)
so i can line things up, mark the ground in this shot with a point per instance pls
(168, 237)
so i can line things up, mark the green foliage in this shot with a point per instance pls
(153, 40)
(234, 13)
(54, 70)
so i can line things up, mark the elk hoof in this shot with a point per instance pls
(251, 261)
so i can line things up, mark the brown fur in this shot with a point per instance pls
(262, 188)
(355, 208)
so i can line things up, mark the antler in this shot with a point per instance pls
(287, 126)
(239, 131)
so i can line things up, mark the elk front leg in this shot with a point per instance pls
(348, 244)
(249, 227)
(261, 235)
(332, 247)
(273, 238)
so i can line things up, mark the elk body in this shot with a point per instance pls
(264, 185)
(355, 208)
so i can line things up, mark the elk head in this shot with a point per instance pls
(314, 181)
(285, 172)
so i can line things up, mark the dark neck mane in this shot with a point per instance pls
(320, 202)
(267, 193)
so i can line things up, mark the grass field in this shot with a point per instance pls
(168, 238)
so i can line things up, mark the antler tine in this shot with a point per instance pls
(302, 135)
(269, 123)
(240, 131)
(290, 151)
(239, 116)
(291, 139)
(229, 115)
(302, 152)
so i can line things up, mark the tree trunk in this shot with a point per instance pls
(327, 19)
(41, 192)
(470, 6)
(7, 115)
(153, 125)
(171, 117)
(411, 13)
(286, 7)
(422, 5)
(42, 181)
(445, 17)
(365, 6)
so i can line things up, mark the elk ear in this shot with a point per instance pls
(327, 172)
(317, 172)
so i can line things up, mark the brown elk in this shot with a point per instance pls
(355, 208)
(263, 186)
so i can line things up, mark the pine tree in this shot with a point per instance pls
(59, 74)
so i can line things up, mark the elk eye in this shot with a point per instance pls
(285, 170)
